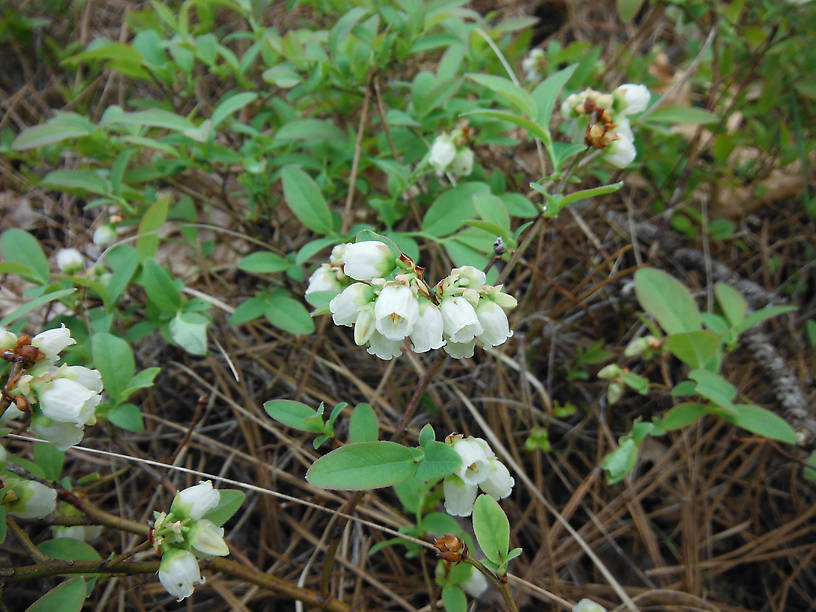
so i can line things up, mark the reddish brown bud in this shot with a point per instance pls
(451, 548)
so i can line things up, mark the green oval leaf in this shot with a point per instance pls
(160, 288)
(682, 114)
(289, 314)
(69, 549)
(304, 199)
(263, 262)
(229, 502)
(695, 348)
(682, 415)
(450, 210)
(365, 465)
(763, 422)
(492, 528)
(65, 597)
(113, 357)
(20, 247)
(732, 303)
(364, 425)
(667, 300)
(127, 416)
(292, 414)
(440, 460)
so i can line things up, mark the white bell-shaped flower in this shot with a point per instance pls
(68, 401)
(396, 311)
(7, 339)
(621, 152)
(462, 163)
(587, 605)
(499, 483)
(531, 63)
(346, 306)
(69, 260)
(369, 259)
(34, 500)
(442, 153)
(196, 501)
(634, 98)
(427, 333)
(104, 235)
(179, 573)
(459, 319)
(459, 496)
(208, 539)
(493, 320)
(61, 435)
(475, 465)
(460, 350)
(53, 341)
(383, 347)
(469, 276)
(90, 379)
(476, 584)
(323, 279)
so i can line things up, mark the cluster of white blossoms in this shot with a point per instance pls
(480, 469)
(384, 298)
(609, 126)
(182, 536)
(61, 399)
(532, 64)
(450, 154)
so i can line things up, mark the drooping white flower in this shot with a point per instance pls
(364, 325)
(475, 465)
(53, 341)
(462, 163)
(68, 401)
(7, 339)
(69, 260)
(90, 379)
(459, 319)
(442, 153)
(104, 235)
(427, 332)
(496, 328)
(369, 259)
(179, 573)
(621, 152)
(61, 435)
(396, 311)
(460, 350)
(634, 98)
(531, 63)
(476, 584)
(587, 605)
(208, 539)
(459, 496)
(196, 501)
(323, 279)
(499, 483)
(346, 306)
(34, 500)
(469, 276)
(383, 347)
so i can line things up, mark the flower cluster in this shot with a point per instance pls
(60, 399)
(183, 535)
(608, 126)
(385, 299)
(449, 153)
(532, 64)
(480, 469)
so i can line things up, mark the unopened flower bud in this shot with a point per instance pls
(8, 339)
(104, 235)
(208, 539)
(53, 341)
(443, 152)
(462, 164)
(179, 573)
(196, 501)
(609, 372)
(31, 499)
(451, 548)
(633, 98)
(69, 260)
(614, 393)
(636, 347)
(369, 259)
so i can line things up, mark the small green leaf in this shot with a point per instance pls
(123, 260)
(492, 529)
(364, 425)
(189, 331)
(229, 502)
(67, 596)
(667, 300)
(516, 97)
(438, 522)
(305, 200)
(732, 303)
(636, 382)
(695, 348)
(628, 9)
(714, 387)
(620, 462)
(292, 414)
(148, 241)
(426, 435)
(69, 549)
(365, 465)
(34, 304)
(52, 131)
(763, 422)
(50, 459)
(491, 208)
(78, 180)
(113, 357)
(20, 247)
(440, 460)
(450, 210)
(755, 318)
(289, 314)
(682, 415)
(547, 92)
(682, 114)
(144, 378)
(310, 130)
(453, 598)
(159, 286)
(127, 416)
(231, 105)
(152, 117)
(264, 262)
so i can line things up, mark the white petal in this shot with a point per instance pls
(346, 306)
(459, 319)
(396, 311)
(459, 496)
(475, 462)
(368, 259)
(67, 401)
(427, 333)
(323, 279)
(499, 483)
(194, 502)
(69, 260)
(90, 379)
(53, 341)
(460, 350)
(476, 584)
(384, 348)
(179, 573)
(442, 153)
(635, 98)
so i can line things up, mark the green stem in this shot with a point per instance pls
(500, 583)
